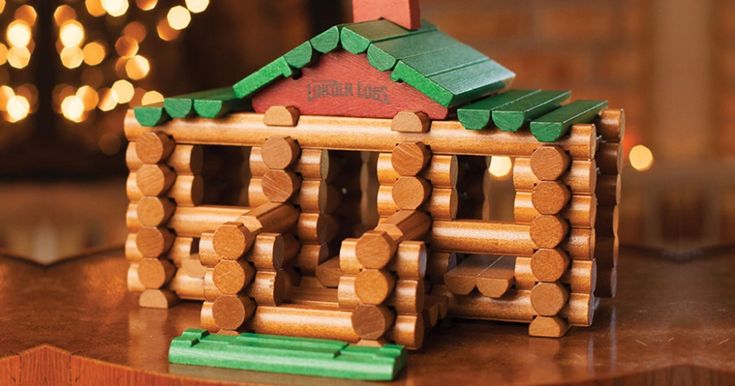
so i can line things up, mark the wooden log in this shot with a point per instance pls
(366, 134)
(133, 281)
(606, 251)
(318, 196)
(548, 231)
(581, 212)
(607, 221)
(132, 253)
(442, 204)
(233, 239)
(611, 125)
(550, 197)
(287, 116)
(193, 221)
(231, 276)
(549, 163)
(188, 285)
(328, 273)
(497, 279)
(229, 312)
(608, 190)
(410, 193)
(311, 256)
(153, 242)
(348, 262)
(268, 252)
(548, 327)
(373, 286)
(462, 280)
(442, 170)
(154, 273)
(185, 190)
(410, 260)
(305, 321)
(376, 248)
(346, 295)
(405, 225)
(154, 180)
(515, 306)
(580, 309)
(438, 264)
(154, 147)
(609, 158)
(185, 159)
(280, 152)
(408, 330)
(408, 297)
(154, 211)
(410, 158)
(549, 265)
(548, 299)
(268, 288)
(211, 292)
(371, 321)
(256, 197)
(255, 162)
(607, 283)
(157, 298)
(411, 122)
(280, 185)
(581, 277)
(317, 227)
(581, 177)
(183, 248)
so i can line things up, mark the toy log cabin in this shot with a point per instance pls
(334, 192)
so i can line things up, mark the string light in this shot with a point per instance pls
(72, 107)
(146, 5)
(71, 33)
(137, 67)
(64, 13)
(94, 8)
(94, 53)
(72, 57)
(641, 158)
(26, 13)
(124, 90)
(126, 46)
(178, 17)
(3, 54)
(2, 5)
(19, 33)
(151, 97)
(5, 94)
(108, 99)
(135, 30)
(500, 166)
(17, 108)
(197, 6)
(165, 32)
(18, 57)
(115, 8)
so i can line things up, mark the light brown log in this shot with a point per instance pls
(408, 297)
(408, 331)
(549, 265)
(229, 312)
(607, 221)
(548, 299)
(581, 212)
(154, 211)
(231, 276)
(463, 279)
(410, 158)
(186, 190)
(154, 147)
(311, 292)
(549, 163)
(280, 152)
(133, 281)
(611, 125)
(548, 327)
(280, 185)
(316, 164)
(581, 177)
(305, 321)
(268, 288)
(271, 217)
(373, 286)
(410, 260)
(155, 273)
(287, 116)
(328, 273)
(548, 231)
(409, 193)
(311, 255)
(185, 159)
(442, 170)
(442, 203)
(318, 196)
(370, 321)
(157, 298)
(608, 189)
(411, 122)
(438, 264)
(497, 279)
(515, 306)
(366, 134)
(256, 196)
(268, 252)
(188, 286)
(132, 222)
(346, 295)
(348, 262)
(550, 197)
(374, 249)
(211, 292)
(609, 158)
(153, 242)
(207, 255)
(206, 320)
(132, 253)
(154, 180)
(581, 276)
(233, 239)
(193, 221)
(580, 244)
(580, 309)
(405, 225)
(183, 248)
(606, 251)
(431, 311)
(317, 227)
(255, 162)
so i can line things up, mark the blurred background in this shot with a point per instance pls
(69, 69)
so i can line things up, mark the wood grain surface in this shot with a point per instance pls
(671, 323)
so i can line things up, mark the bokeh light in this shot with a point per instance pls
(19, 33)
(197, 6)
(94, 7)
(72, 57)
(641, 158)
(178, 17)
(17, 108)
(137, 67)
(500, 166)
(124, 90)
(71, 33)
(19, 57)
(94, 53)
(115, 8)
(151, 97)
(72, 107)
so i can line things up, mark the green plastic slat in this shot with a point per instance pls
(217, 105)
(356, 38)
(302, 356)
(182, 106)
(554, 125)
(274, 70)
(151, 115)
(327, 41)
(384, 55)
(300, 56)
(513, 116)
(476, 116)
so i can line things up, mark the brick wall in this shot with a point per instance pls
(597, 48)
(725, 70)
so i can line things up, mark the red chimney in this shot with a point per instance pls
(406, 13)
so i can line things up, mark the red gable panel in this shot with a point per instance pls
(343, 84)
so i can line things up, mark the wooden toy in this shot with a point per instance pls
(360, 159)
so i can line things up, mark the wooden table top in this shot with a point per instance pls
(670, 320)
